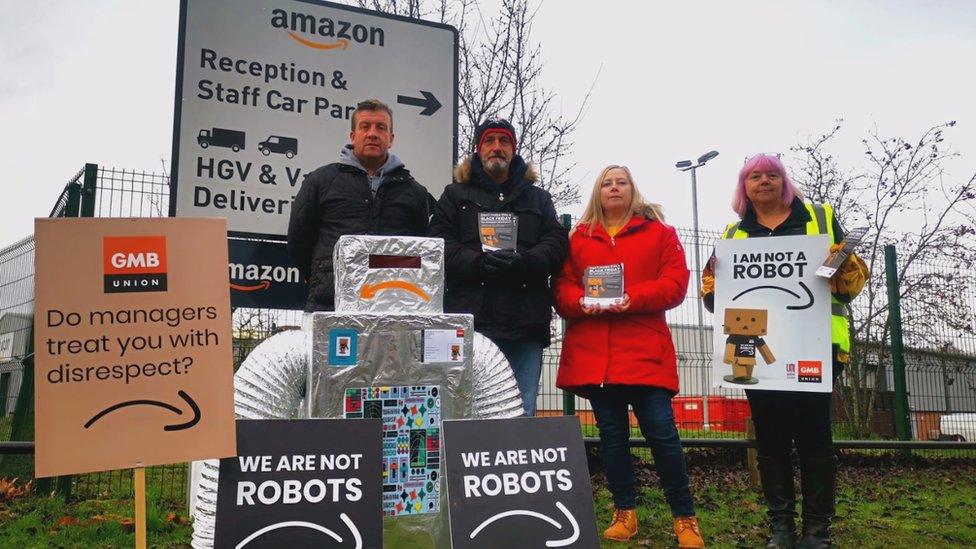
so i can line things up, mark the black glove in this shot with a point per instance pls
(499, 263)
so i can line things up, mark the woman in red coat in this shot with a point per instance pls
(622, 355)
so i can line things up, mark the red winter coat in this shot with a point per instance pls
(631, 348)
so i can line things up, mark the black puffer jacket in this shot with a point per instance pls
(336, 200)
(518, 306)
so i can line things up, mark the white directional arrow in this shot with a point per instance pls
(355, 531)
(288, 524)
(550, 543)
(576, 530)
(311, 525)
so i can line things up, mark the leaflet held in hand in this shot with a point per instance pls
(834, 260)
(498, 230)
(603, 285)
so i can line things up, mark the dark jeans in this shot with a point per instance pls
(785, 417)
(652, 406)
(525, 358)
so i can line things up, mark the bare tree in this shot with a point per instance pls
(501, 74)
(905, 198)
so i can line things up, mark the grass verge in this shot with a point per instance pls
(42, 522)
(883, 502)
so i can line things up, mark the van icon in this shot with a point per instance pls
(287, 146)
(220, 137)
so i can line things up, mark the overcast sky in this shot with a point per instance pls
(94, 82)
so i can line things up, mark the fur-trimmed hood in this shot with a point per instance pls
(462, 172)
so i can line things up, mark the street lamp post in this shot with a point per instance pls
(684, 166)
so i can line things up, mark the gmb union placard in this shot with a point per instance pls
(132, 344)
(265, 91)
(772, 314)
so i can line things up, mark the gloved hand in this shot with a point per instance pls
(708, 284)
(497, 264)
(502, 261)
(850, 277)
(708, 277)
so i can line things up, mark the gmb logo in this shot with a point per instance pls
(134, 264)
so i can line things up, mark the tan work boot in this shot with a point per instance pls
(624, 525)
(689, 536)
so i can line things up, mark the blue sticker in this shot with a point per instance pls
(342, 347)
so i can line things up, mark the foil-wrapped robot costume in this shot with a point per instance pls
(388, 351)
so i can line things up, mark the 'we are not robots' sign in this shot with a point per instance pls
(302, 483)
(518, 483)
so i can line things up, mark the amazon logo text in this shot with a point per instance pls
(263, 275)
(337, 33)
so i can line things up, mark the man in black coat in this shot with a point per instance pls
(507, 290)
(368, 191)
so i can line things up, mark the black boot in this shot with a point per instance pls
(777, 483)
(818, 479)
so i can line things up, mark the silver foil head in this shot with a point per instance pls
(389, 275)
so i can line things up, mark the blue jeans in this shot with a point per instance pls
(525, 358)
(652, 406)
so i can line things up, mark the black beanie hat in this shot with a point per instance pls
(494, 124)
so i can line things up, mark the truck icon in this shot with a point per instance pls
(287, 146)
(220, 137)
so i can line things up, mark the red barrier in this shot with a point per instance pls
(724, 414)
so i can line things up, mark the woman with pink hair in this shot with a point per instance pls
(768, 205)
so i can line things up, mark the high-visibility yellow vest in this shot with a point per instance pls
(821, 222)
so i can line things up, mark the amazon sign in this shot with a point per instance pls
(265, 91)
(133, 346)
(263, 276)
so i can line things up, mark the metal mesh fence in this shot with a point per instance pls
(130, 193)
(64, 200)
(16, 317)
(940, 362)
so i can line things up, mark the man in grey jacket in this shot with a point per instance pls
(369, 191)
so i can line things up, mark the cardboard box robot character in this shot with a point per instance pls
(594, 286)
(744, 328)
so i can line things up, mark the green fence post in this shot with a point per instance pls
(4, 387)
(81, 203)
(63, 487)
(22, 425)
(569, 402)
(88, 190)
(73, 206)
(902, 425)
(25, 396)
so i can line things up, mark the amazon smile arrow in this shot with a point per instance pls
(144, 402)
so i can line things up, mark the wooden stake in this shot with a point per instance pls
(140, 496)
(751, 455)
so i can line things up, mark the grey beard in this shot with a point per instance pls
(496, 166)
